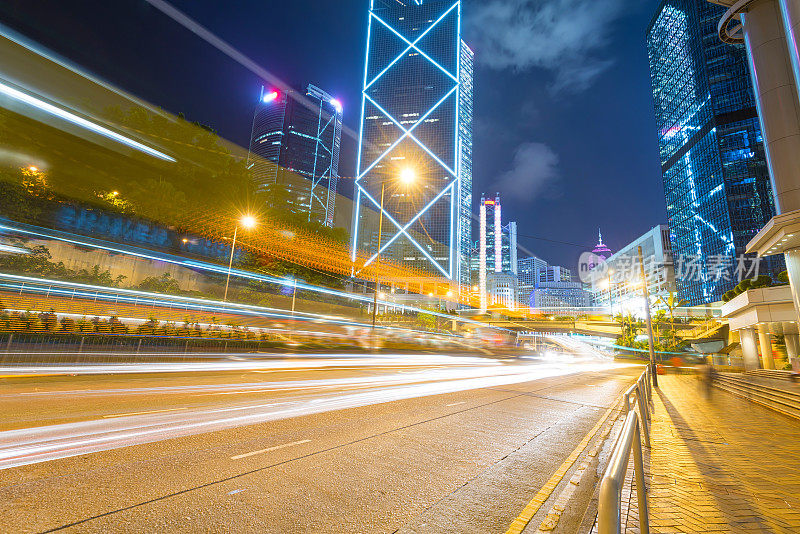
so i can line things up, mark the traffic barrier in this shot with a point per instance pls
(609, 514)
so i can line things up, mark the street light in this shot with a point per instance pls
(407, 176)
(246, 221)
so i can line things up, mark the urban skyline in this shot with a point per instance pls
(341, 319)
(306, 54)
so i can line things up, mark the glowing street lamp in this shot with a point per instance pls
(247, 222)
(408, 176)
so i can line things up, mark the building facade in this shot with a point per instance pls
(502, 289)
(415, 137)
(555, 273)
(465, 107)
(716, 179)
(560, 298)
(529, 271)
(620, 289)
(496, 248)
(295, 144)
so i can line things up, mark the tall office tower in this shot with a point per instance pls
(499, 243)
(464, 232)
(296, 141)
(414, 151)
(497, 246)
(716, 180)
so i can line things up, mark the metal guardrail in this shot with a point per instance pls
(777, 399)
(609, 516)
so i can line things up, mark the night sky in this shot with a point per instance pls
(564, 126)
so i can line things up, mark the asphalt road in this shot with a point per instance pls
(303, 444)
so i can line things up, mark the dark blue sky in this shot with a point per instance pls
(564, 126)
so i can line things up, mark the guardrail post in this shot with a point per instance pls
(644, 390)
(641, 488)
(609, 514)
(643, 414)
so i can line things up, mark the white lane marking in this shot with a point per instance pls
(455, 404)
(142, 413)
(275, 448)
(234, 492)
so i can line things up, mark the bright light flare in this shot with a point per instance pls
(336, 104)
(408, 176)
(248, 221)
(270, 97)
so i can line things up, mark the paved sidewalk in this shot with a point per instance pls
(720, 464)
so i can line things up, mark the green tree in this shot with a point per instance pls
(160, 284)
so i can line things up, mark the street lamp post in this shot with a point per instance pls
(248, 221)
(294, 293)
(378, 260)
(407, 176)
(646, 296)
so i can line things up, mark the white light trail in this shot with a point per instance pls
(80, 121)
(38, 444)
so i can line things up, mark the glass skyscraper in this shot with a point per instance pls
(295, 141)
(415, 141)
(716, 180)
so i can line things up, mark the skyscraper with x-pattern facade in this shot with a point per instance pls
(416, 120)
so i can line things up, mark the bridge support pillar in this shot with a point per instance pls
(747, 337)
(792, 344)
(767, 361)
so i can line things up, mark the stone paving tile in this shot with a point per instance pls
(718, 464)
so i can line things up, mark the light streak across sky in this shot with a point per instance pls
(38, 232)
(72, 118)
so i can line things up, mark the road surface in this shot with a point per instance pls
(298, 444)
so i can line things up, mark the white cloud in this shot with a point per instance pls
(534, 169)
(566, 37)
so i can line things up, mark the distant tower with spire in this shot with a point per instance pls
(600, 250)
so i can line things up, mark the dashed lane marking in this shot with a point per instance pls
(142, 413)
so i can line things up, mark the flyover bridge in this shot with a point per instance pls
(599, 327)
(603, 327)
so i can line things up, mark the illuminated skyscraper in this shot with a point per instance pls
(496, 250)
(297, 138)
(415, 140)
(716, 181)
